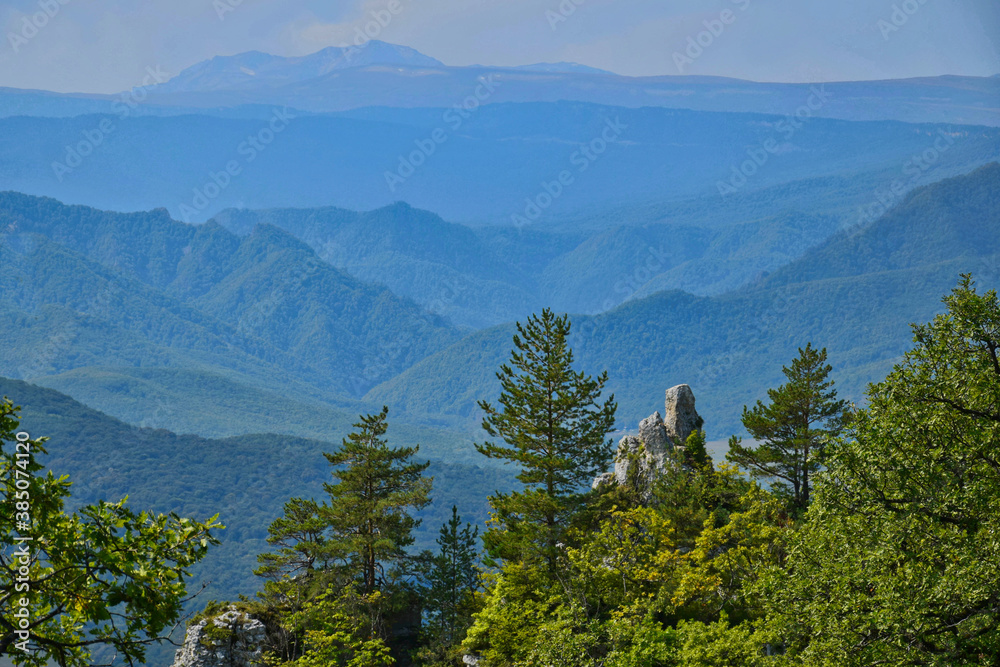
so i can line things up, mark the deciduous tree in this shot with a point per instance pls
(899, 559)
(103, 577)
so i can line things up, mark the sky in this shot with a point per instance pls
(106, 46)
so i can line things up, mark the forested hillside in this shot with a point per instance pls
(855, 296)
(245, 479)
(480, 277)
(493, 166)
(196, 297)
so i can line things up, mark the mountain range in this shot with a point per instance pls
(520, 165)
(204, 281)
(379, 74)
(855, 294)
(104, 306)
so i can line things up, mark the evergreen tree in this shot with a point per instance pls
(301, 535)
(369, 516)
(299, 569)
(453, 579)
(554, 429)
(349, 553)
(803, 415)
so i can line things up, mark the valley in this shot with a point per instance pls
(211, 284)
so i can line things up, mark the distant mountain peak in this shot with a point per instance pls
(256, 67)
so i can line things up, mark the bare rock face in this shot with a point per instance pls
(602, 479)
(654, 437)
(230, 639)
(681, 419)
(640, 459)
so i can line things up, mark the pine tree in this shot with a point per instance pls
(349, 553)
(453, 579)
(803, 415)
(302, 558)
(554, 429)
(370, 503)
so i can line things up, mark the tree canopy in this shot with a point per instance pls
(554, 427)
(898, 561)
(793, 429)
(103, 578)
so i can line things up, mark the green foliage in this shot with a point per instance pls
(631, 574)
(517, 606)
(793, 430)
(101, 577)
(898, 561)
(554, 429)
(452, 581)
(245, 479)
(731, 554)
(339, 576)
(369, 514)
(719, 644)
(339, 631)
(301, 536)
(692, 496)
(695, 453)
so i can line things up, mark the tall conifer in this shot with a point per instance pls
(803, 415)
(552, 426)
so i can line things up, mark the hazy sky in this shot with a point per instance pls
(106, 45)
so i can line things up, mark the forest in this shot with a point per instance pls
(837, 535)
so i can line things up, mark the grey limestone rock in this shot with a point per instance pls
(602, 479)
(230, 639)
(653, 434)
(680, 418)
(628, 456)
(640, 459)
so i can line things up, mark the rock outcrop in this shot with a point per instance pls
(681, 419)
(640, 459)
(228, 639)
